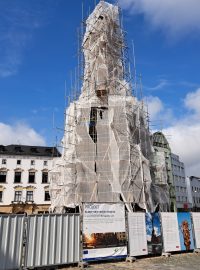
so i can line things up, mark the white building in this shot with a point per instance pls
(193, 185)
(182, 197)
(24, 182)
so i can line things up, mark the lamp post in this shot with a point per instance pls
(195, 206)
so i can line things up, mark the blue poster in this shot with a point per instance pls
(154, 235)
(185, 231)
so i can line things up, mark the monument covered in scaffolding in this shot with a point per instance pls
(107, 149)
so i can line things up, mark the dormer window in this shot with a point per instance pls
(2, 148)
(34, 150)
(18, 149)
(48, 150)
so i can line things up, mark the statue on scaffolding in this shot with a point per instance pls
(107, 147)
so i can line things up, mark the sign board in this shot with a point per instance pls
(185, 231)
(137, 234)
(153, 233)
(196, 224)
(171, 240)
(104, 233)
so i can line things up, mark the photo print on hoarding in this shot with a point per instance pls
(154, 235)
(185, 231)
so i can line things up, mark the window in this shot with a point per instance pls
(3, 176)
(4, 161)
(46, 196)
(19, 162)
(18, 196)
(45, 163)
(17, 178)
(32, 162)
(44, 177)
(43, 212)
(34, 150)
(18, 149)
(29, 196)
(1, 196)
(31, 178)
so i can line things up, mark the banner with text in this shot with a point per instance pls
(196, 224)
(171, 240)
(137, 234)
(104, 233)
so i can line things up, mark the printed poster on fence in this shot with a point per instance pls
(137, 234)
(104, 233)
(153, 232)
(185, 231)
(196, 223)
(171, 240)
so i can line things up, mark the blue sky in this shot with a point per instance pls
(38, 53)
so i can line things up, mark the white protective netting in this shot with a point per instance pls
(106, 145)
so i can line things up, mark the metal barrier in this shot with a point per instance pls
(52, 240)
(11, 241)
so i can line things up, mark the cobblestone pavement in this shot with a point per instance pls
(187, 261)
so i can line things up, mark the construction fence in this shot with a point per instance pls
(39, 240)
(103, 231)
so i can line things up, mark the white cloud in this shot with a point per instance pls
(185, 141)
(192, 101)
(20, 133)
(155, 106)
(174, 17)
(162, 83)
(184, 134)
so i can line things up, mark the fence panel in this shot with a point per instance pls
(53, 240)
(11, 241)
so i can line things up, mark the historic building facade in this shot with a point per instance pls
(161, 145)
(193, 186)
(182, 196)
(24, 178)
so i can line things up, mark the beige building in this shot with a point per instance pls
(24, 178)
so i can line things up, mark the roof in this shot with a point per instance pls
(160, 140)
(27, 150)
(194, 177)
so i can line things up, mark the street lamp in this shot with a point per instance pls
(195, 206)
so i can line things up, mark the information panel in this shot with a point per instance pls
(137, 234)
(104, 233)
(196, 224)
(171, 240)
(185, 231)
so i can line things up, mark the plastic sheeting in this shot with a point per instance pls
(106, 146)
